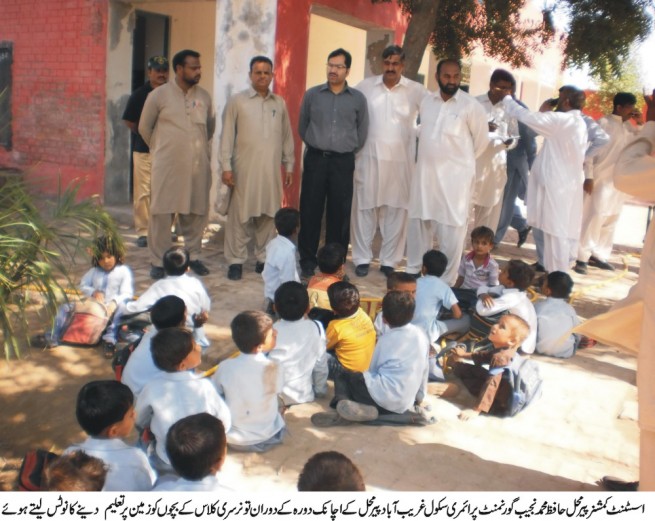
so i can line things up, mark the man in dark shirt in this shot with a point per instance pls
(157, 75)
(333, 124)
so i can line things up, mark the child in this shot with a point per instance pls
(396, 281)
(330, 471)
(555, 317)
(280, 263)
(478, 268)
(197, 447)
(177, 393)
(510, 297)
(178, 282)
(106, 413)
(300, 346)
(331, 260)
(75, 472)
(492, 390)
(250, 384)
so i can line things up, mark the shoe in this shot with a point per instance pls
(328, 419)
(523, 236)
(618, 485)
(580, 267)
(235, 271)
(387, 270)
(198, 268)
(443, 389)
(356, 412)
(538, 267)
(142, 241)
(361, 270)
(595, 262)
(307, 273)
(259, 267)
(108, 349)
(157, 272)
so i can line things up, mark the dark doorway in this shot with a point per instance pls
(151, 38)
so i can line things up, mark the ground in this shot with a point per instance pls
(582, 428)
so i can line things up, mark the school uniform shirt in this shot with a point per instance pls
(555, 319)
(353, 340)
(250, 384)
(117, 284)
(432, 294)
(280, 265)
(474, 277)
(173, 396)
(140, 367)
(399, 368)
(381, 327)
(300, 354)
(129, 468)
(207, 484)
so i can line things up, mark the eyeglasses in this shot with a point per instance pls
(335, 66)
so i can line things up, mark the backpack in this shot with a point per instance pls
(32, 469)
(130, 331)
(523, 375)
(481, 326)
(84, 323)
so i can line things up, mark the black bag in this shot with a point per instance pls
(31, 475)
(481, 326)
(131, 329)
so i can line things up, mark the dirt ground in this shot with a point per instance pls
(582, 428)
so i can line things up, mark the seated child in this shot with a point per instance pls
(478, 268)
(300, 346)
(510, 297)
(556, 317)
(250, 384)
(331, 260)
(106, 413)
(351, 335)
(493, 391)
(197, 447)
(280, 263)
(396, 281)
(75, 472)
(176, 393)
(330, 471)
(168, 311)
(178, 282)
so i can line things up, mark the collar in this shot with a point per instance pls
(471, 254)
(455, 96)
(252, 93)
(103, 443)
(326, 86)
(379, 80)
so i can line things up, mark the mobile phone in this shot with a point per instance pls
(553, 102)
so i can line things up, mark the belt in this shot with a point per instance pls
(328, 153)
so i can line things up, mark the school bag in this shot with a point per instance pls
(130, 331)
(481, 326)
(32, 470)
(84, 323)
(525, 380)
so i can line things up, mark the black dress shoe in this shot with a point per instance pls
(307, 273)
(234, 272)
(523, 236)
(259, 267)
(619, 485)
(538, 267)
(361, 270)
(157, 272)
(597, 263)
(387, 270)
(198, 268)
(142, 241)
(580, 267)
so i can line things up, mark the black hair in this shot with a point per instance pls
(331, 258)
(624, 98)
(287, 221)
(330, 471)
(176, 261)
(195, 445)
(291, 300)
(168, 311)
(502, 75)
(111, 245)
(435, 262)
(560, 284)
(348, 59)
(393, 50)
(399, 277)
(455, 61)
(398, 308)
(482, 232)
(180, 58)
(575, 96)
(520, 273)
(75, 471)
(101, 404)
(260, 59)
(170, 346)
(249, 329)
(344, 298)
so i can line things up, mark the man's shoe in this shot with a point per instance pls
(523, 236)
(361, 270)
(198, 268)
(580, 267)
(157, 272)
(619, 485)
(356, 412)
(234, 272)
(259, 267)
(328, 419)
(387, 270)
(602, 265)
(307, 273)
(142, 241)
(538, 267)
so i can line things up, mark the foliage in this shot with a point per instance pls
(600, 101)
(39, 241)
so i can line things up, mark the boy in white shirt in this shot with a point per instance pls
(300, 346)
(250, 384)
(105, 410)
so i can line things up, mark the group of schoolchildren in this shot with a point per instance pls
(380, 368)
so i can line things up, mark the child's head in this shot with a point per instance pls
(291, 301)
(516, 274)
(344, 298)
(557, 284)
(176, 261)
(330, 472)
(105, 409)
(287, 221)
(252, 331)
(331, 258)
(174, 349)
(434, 263)
(75, 472)
(196, 446)
(482, 240)
(168, 311)
(401, 281)
(510, 331)
(107, 252)
(398, 308)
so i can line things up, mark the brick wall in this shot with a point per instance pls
(58, 90)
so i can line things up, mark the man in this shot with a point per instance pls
(333, 124)
(491, 166)
(554, 197)
(256, 140)
(453, 133)
(602, 207)
(177, 123)
(383, 168)
(157, 76)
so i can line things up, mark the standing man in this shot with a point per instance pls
(453, 133)
(255, 142)
(333, 124)
(157, 76)
(177, 123)
(383, 168)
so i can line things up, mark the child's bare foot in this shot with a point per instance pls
(467, 414)
(443, 389)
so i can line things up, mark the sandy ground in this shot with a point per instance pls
(582, 428)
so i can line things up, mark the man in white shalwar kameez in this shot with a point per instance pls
(554, 196)
(453, 133)
(383, 167)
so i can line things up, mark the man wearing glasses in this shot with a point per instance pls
(333, 124)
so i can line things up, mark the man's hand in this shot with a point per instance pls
(487, 300)
(228, 178)
(288, 179)
(199, 319)
(588, 186)
(467, 414)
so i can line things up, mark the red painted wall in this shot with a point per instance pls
(58, 90)
(291, 48)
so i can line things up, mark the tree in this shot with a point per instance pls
(599, 33)
(600, 102)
